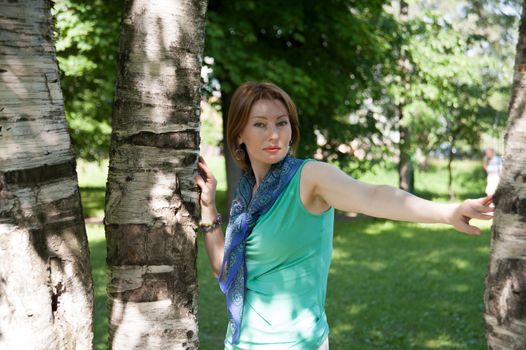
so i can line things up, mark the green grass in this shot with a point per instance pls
(97, 246)
(92, 181)
(469, 180)
(392, 285)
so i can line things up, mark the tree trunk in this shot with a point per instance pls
(151, 201)
(405, 165)
(505, 295)
(451, 192)
(233, 173)
(46, 291)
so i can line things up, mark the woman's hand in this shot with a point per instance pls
(208, 183)
(462, 213)
(215, 240)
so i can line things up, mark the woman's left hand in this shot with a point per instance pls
(462, 213)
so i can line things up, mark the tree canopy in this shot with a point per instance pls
(338, 61)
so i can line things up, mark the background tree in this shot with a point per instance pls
(451, 88)
(404, 69)
(505, 296)
(87, 48)
(46, 298)
(339, 60)
(150, 200)
(325, 55)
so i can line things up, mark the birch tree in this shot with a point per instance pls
(505, 296)
(46, 298)
(151, 198)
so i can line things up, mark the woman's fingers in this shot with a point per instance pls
(483, 209)
(478, 214)
(202, 165)
(486, 200)
(200, 182)
(471, 230)
(483, 217)
(463, 225)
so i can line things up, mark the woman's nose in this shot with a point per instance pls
(273, 132)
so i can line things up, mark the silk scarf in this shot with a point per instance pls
(244, 214)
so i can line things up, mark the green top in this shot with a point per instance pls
(288, 254)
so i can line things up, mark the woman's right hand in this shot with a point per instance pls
(214, 241)
(208, 183)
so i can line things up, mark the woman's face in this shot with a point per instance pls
(268, 132)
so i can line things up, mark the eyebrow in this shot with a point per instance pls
(263, 117)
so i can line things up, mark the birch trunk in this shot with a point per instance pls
(46, 297)
(405, 164)
(151, 201)
(505, 296)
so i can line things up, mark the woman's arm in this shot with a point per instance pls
(343, 192)
(215, 239)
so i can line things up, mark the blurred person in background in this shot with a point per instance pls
(493, 168)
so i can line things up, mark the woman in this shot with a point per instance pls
(493, 168)
(273, 262)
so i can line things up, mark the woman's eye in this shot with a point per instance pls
(259, 125)
(283, 123)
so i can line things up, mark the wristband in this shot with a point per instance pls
(210, 227)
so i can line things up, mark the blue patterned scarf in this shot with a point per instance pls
(244, 215)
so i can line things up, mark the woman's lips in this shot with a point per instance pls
(272, 149)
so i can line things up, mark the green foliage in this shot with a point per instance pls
(87, 35)
(324, 54)
(336, 59)
(452, 87)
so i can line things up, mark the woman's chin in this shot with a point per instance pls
(271, 158)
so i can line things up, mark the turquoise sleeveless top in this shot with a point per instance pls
(288, 254)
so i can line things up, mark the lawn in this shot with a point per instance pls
(392, 285)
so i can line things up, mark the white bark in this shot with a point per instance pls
(45, 284)
(505, 296)
(150, 199)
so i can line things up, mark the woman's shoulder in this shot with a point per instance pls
(316, 167)
(314, 170)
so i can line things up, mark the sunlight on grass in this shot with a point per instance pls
(97, 244)
(92, 174)
(442, 342)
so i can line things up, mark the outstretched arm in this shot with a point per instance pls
(345, 193)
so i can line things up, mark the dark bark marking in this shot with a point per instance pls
(188, 139)
(519, 177)
(41, 174)
(49, 229)
(126, 244)
(139, 244)
(57, 292)
(154, 288)
(512, 273)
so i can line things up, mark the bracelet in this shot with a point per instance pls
(210, 227)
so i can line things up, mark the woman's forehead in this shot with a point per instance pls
(268, 108)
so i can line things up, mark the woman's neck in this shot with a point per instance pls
(260, 170)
